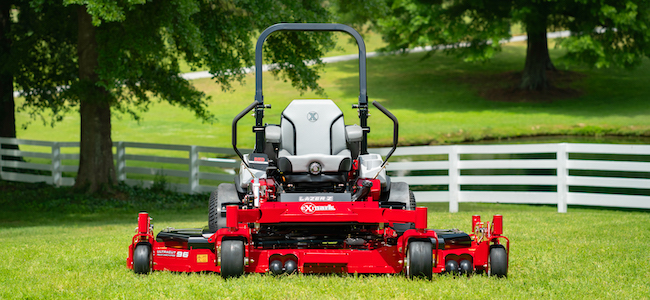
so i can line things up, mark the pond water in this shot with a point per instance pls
(551, 139)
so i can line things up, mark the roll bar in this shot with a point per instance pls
(363, 94)
(259, 106)
(395, 129)
(234, 130)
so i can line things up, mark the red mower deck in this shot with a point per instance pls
(191, 250)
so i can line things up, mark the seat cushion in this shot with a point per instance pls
(341, 162)
(312, 126)
(313, 131)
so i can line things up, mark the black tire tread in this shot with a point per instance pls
(213, 212)
(498, 261)
(142, 259)
(420, 261)
(232, 258)
(412, 202)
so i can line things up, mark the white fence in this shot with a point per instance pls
(558, 174)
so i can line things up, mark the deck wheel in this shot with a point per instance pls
(232, 258)
(419, 260)
(498, 261)
(465, 267)
(142, 259)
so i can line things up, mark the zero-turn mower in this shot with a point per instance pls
(311, 199)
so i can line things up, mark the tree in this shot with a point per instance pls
(603, 33)
(7, 108)
(28, 42)
(127, 53)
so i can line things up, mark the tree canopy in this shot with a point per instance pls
(603, 33)
(96, 56)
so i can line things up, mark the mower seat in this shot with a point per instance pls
(313, 139)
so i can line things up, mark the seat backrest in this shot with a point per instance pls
(313, 127)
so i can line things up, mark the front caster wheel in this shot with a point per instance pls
(142, 259)
(419, 260)
(232, 258)
(498, 261)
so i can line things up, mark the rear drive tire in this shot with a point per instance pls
(411, 201)
(142, 259)
(402, 227)
(215, 221)
(498, 261)
(419, 260)
(232, 258)
(226, 194)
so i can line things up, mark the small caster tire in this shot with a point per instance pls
(466, 267)
(498, 261)
(142, 259)
(451, 267)
(232, 258)
(419, 260)
(290, 267)
(276, 267)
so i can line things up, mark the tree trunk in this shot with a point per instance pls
(7, 106)
(96, 168)
(538, 60)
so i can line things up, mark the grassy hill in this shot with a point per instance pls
(438, 100)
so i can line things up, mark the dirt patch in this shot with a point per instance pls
(503, 87)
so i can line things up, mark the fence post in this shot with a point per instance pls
(121, 161)
(562, 188)
(56, 164)
(454, 180)
(194, 170)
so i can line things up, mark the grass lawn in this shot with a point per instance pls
(587, 253)
(436, 100)
(73, 247)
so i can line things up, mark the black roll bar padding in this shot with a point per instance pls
(234, 129)
(395, 129)
(363, 94)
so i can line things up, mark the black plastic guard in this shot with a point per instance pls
(193, 238)
(452, 238)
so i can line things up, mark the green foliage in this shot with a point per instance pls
(44, 198)
(41, 55)
(141, 45)
(105, 10)
(159, 182)
(413, 23)
(610, 33)
(604, 33)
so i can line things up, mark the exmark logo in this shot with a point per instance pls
(310, 208)
(312, 116)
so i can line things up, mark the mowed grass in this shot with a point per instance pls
(436, 100)
(587, 253)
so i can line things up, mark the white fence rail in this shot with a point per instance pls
(558, 174)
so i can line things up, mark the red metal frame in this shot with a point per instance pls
(174, 256)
